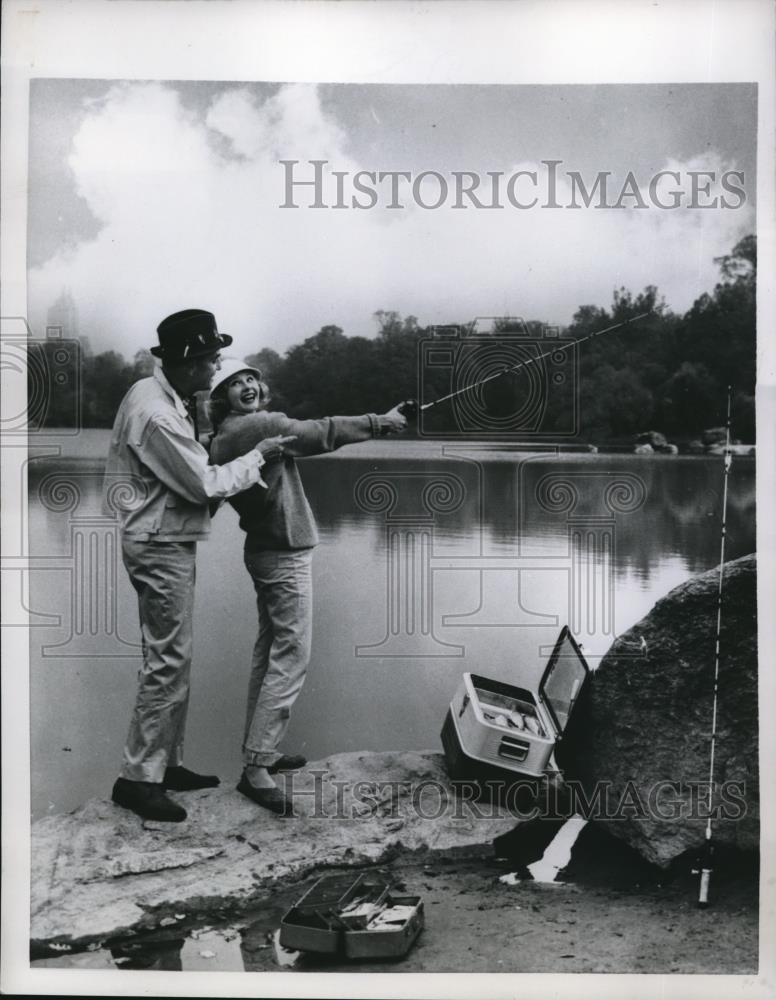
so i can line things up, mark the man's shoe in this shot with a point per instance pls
(147, 799)
(181, 779)
(270, 798)
(288, 762)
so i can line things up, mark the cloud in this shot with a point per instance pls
(189, 207)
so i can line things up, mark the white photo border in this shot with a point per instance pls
(587, 41)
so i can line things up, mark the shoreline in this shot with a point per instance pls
(108, 886)
(608, 913)
(91, 445)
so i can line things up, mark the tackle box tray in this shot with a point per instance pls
(317, 923)
(388, 942)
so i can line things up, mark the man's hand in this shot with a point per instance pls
(273, 447)
(394, 421)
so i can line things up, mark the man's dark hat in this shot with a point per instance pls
(189, 334)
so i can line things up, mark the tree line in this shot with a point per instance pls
(667, 372)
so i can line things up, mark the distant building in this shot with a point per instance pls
(62, 321)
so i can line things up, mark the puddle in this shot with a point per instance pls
(204, 949)
(246, 943)
(213, 949)
(99, 959)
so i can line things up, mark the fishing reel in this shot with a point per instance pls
(409, 409)
(704, 866)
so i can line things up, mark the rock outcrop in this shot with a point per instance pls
(645, 729)
(742, 450)
(654, 442)
(713, 443)
(100, 871)
(714, 435)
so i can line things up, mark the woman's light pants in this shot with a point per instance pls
(283, 583)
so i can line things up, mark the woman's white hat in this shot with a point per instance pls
(229, 368)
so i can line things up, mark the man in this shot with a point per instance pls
(159, 484)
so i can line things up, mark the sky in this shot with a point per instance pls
(146, 198)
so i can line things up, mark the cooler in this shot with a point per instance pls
(492, 727)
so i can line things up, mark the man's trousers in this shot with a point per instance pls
(162, 574)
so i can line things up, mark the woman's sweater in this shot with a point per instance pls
(279, 517)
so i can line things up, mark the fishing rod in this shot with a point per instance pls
(708, 852)
(412, 406)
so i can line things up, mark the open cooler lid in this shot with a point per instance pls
(563, 679)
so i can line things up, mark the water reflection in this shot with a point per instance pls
(159, 955)
(680, 515)
(490, 565)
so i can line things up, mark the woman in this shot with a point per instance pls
(280, 536)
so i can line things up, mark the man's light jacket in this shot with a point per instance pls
(157, 477)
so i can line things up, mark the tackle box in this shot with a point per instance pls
(323, 920)
(497, 730)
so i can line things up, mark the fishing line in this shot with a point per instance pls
(706, 863)
(530, 361)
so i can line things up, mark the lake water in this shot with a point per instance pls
(433, 560)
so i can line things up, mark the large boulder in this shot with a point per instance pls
(644, 732)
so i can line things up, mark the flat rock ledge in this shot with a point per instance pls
(101, 872)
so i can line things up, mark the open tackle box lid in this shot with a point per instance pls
(562, 680)
(332, 892)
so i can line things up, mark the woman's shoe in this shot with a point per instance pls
(270, 798)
